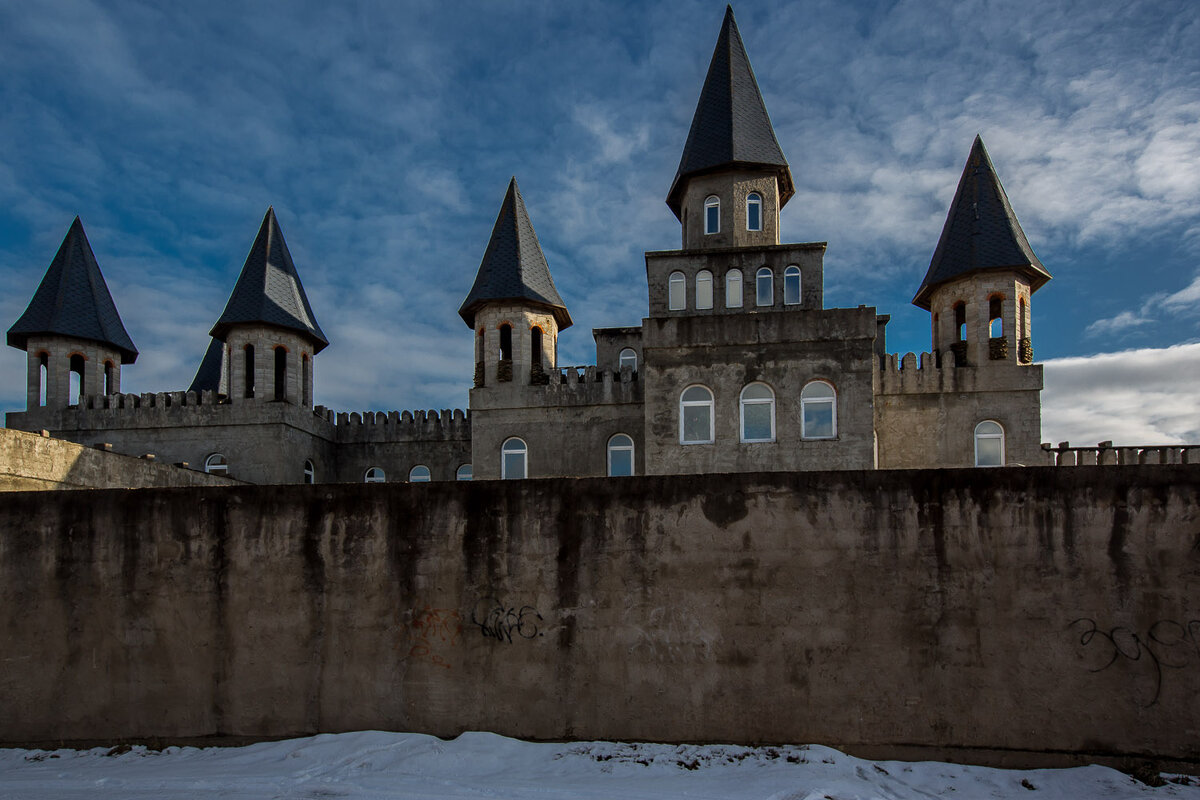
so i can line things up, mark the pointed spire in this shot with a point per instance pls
(981, 232)
(513, 266)
(731, 127)
(269, 291)
(73, 300)
(208, 376)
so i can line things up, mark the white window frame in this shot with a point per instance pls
(676, 291)
(424, 477)
(807, 401)
(745, 401)
(310, 472)
(754, 200)
(518, 447)
(704, 289)
(628, 357)
(686, 404)
(464, 473)
(734, 278)
(793, 272)
(216, 464)
(622, 447)
(712, 202)
(990, 435)
(374, 475)
(769, 274)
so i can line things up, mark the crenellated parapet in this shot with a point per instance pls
(1063, 455)
(397, 426)
(931, 373)
(579, 386)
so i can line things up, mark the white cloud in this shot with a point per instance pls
(1156, 308)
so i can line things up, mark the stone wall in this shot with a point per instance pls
(1001, 616)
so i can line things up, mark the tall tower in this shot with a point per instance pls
(732, 178)
(71, 331)
(266, 339)
(513, 306)
(982, 274)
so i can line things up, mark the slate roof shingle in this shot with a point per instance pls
(513, 266)
(981, 232)
(73, 300)
(208, 376)
(269, 291)
(731, 127)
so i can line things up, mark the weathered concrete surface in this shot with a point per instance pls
(987, 615)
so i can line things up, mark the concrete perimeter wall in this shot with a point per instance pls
(1007, 616)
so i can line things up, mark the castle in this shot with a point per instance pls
(738, 366)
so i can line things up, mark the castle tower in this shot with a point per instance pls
(732, 179)
(71, 331)
(513, 307)
(982, 275)
(267, 333)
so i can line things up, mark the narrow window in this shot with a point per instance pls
(733, 288)
(248, 369)
(216, 464)
(75, 389)
(960, 322)
(764, 287)
(758, 413)
(989, 444)
(791, 286)
(281, 373)
(995, 318)
(676, 292)
(305, 380)
(620, 455)
(109, 378)
(696, 415)
(535, 346)
(419, 474)
(43, 369)
(464, 473)
(374, 475)
(1022, 331)
(818, 411)
(506, 342)
(712, 215)
(629, 359)
(704, 292)
(514, 461)
(310, 473)
(754, 212)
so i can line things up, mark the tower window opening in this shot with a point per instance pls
(676, 292)
(995, 318)
(305, 380)
(764, 287)
(791, 286)
(704, 289)
(248, 369)
(712, 214)
(1022, 330)
(506, 342)
(754, 212)
(281, 373)
(535, 346)
(75, 390)
(43, 370)
(960, 322)
(109, 377)
(733, 288)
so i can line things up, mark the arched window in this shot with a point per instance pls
(620, 455)
(419, 474)
(464, 473)
(374, 475)
(764, 287)
(733, 288)
(960, 321)
(281, 373)
(628, 358)
(216, 464)
(704, 289)
(712, 214)
(310, 473)
(677, 292)
(535, 346)
(506, 342)
(696, 415)
(758, 413)
(791, 286)
(818, 411)
(248, 370)
(110, 377)
(989, 444)
(995, 317)
(754, 212)
(514, 460)
(75, 389)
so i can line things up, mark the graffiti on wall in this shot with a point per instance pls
(1167, 644)
(503, 622)
(432, 632)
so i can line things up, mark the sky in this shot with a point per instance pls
(384, 135)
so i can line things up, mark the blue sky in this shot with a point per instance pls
(384, 134)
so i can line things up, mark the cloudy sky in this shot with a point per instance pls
(384, 134)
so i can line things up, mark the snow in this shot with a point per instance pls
(484, 766)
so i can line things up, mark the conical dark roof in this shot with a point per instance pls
(269, 290)
(73, 300)
(731, 127)
(208, 376)
(981, 232)
(513, 266)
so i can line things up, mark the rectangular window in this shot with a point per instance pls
(697, 423)
(818, 420)
(620, 462)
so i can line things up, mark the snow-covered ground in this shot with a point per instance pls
(372, 764)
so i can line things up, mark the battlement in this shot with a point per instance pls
(392, 426)
(933, 373)
(1063, 455)
(567, 386)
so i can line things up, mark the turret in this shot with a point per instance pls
(982, 274)
(732, 179)
(513, 306)
(266, 339)
(71, 332)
